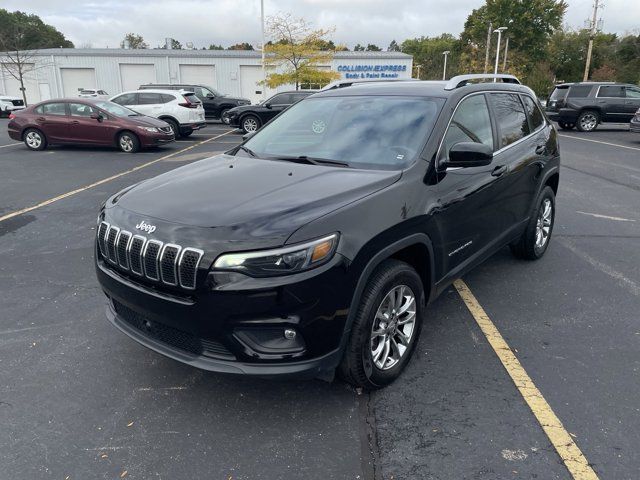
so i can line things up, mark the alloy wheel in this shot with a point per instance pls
(543, 224)
(393, 327)
(34, 140)
(588, 122)
(126, 143)
(250, 125)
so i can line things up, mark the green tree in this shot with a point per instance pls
(293, 49)
(427, 53)
(373, 48)
(241, 46)
(358, 48)
(20, 34)
(133, 41)
(213, 46)
(175, 45)
(393, 46)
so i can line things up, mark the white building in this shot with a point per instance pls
(62, 72)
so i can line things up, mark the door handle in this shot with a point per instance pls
(499, 170)
(40, 119)
(75, 122)
(541, 149)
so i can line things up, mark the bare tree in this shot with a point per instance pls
(16, 60)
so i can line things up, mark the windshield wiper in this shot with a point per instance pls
(247, 149)
(312, 160)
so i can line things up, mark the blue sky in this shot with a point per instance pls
(102, 24)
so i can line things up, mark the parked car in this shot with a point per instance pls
(93, 93)
(251, 117)
(182, 109)
(87, 122)
(348, 82)
(10, 104)
(319, 242)
(585, 105)
(634, 125)
(215, 103)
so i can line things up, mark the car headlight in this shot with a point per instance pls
(149, 129)
(280, 261)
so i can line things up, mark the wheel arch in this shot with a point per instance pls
(168, 117)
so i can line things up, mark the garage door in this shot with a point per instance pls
(199, 75)
(132, 75)
(12, 86)
(250, 76)
(75, 79)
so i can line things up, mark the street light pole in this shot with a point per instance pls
(499, 32)
(264, 76)
(444, 71)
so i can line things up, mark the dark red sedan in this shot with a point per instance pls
(87, 122)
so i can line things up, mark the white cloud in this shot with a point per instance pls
(230, 21)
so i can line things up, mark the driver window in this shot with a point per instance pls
(470, 123)
(80, 110)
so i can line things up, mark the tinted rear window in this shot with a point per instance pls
(191, 97)
(611, 91)
(149, 98)
(535, 115)
(510, 116)
(579, 91)
(559, 93)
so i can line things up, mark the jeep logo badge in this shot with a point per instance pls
(145, 227)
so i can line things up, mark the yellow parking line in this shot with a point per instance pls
(562, 441)
(598, 141)
(104, 180)
(10, 145)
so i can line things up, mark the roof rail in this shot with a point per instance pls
(461, 80)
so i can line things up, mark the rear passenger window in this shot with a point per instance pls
(579, 91)
(166, 98)
(470, 123)
(611, 91)
(512, 121)
(54, 109)
(126, 99)
(149, 98)
(535, 115)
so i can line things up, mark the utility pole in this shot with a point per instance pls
(418, 67)
(506, 50)
(444, 71)
(486, 55)
(592, 34)
(264, 76)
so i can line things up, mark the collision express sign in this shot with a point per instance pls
(371, 71)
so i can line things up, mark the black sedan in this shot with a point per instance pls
(251, 117)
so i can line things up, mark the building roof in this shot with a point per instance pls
(155, 52)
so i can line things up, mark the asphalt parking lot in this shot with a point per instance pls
(78, 400)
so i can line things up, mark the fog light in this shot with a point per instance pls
(289, 333)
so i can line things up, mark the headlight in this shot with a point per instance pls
(149, 129)
(280, 261)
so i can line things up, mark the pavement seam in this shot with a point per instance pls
(560, 438)
(598, 141)
(106, 180)
(368, 438)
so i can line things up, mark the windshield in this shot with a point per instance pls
(381, 132)
(115, 109)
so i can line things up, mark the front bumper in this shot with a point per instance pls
(6, 108)
(213, 330)
(155, 139)
(193, 125)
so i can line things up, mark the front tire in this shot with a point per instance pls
(386, 328)
(223, 118)
(250, 124)
(128, 142)
(534, 242)
(588, 121)
(34, 139)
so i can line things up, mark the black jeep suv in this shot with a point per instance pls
(584, 105)
(215, 103)
(250, 118)
(318, 243)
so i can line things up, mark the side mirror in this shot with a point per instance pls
(97, 116)
(469, 154)
(268, 105)
(210, 95)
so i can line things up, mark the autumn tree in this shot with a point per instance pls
(133, 41)
(293, 50)
(20, 35)
(241, 46)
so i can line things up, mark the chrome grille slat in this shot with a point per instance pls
(166, 263)
(188, 267)
(122, 248)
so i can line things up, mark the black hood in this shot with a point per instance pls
(248, 198)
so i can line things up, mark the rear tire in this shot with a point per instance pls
(174, 127)
(535, 240)
(186, 133)
(34, 139)
(387, 326)
(587, 121)
(250, 124)
(128, 142)
(224, 119)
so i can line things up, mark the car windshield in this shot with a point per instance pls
(380, 132)
(115, 109)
